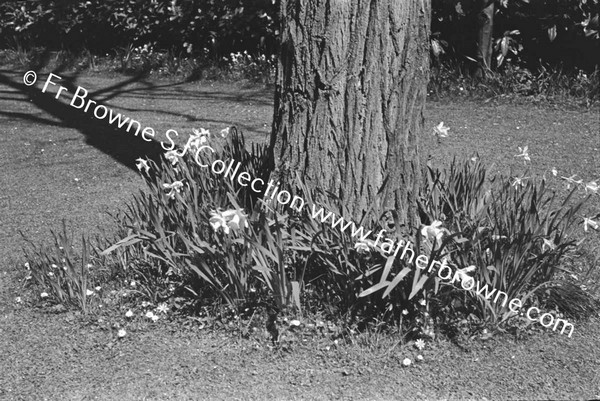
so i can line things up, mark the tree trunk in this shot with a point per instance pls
(350, 95)
(485, 30)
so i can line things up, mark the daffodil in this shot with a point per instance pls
(364, 246)
(571, 180)
(441, 131)
(554, 171)
(228, 220)
(524, 153)
(142, 164)
(420, 344)
(548, 244)
(174, 187)
(519, 181)
(463, 274)
(434, 231)
(172, 156)
(589, 223)
(199, 138)
(592, 186)
(225, 132)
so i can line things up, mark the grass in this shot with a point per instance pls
(51, 173)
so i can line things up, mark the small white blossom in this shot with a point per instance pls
(129, 313)
(163, 308)
(524, 154)
(89, 293)
(571, 180)
(592, 187)
(142, 164)
(44, 295)
(404, 312)
(441, 131)
(27, 265)
(121, 333)
(420, 344)
(18, 300)
(98, 288)
(554, 171)
(589, 223)
(154, 318)
(149, 314)
(406, 362)
(548, 244)
(229, 219)
(225, 132)
(434, 231)
(419, 357)
(172, 156)
(174, 187)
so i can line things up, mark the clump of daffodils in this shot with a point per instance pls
(228, 220)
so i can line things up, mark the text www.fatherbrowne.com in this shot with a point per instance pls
(272, 192)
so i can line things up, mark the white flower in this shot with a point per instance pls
(406, 362)
(142, 164)
(229, 219)
(172, 156)
(441, 131)
(18, 300)
(27, 265)
(404, 312)
(98, 288)
(295, 322)
(422, 302)
(463, 273)
(571, 180)
(121, 333)
(54, 266)
(524, 154)
(496, 237)
(129, 313)
(44, 295)
(154, 318)
(133, 283)
(89, 265)
(592, 186)
(434, 231)
(548, 244)
(419, 357)
(554, 171)
(163, 308)
(50, 274)
(225, 132)
(174, 187)
(589, 223)
(364, 246)
(199, 138)
(519, 181)
(420, 344)
(89, 293)
(149, 315)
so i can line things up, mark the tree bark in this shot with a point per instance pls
(350, 95)
(485, 31)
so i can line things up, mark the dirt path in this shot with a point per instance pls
(50, 171)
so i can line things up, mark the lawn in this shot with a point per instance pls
(55, 166)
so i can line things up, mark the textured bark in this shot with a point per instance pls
(485, 28)
(350, 96)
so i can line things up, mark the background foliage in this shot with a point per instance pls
(527, 32)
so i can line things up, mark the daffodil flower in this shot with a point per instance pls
(519, 181)
(142, 164)
(571, 180)
(441, 131)
(225, 132)
(524, 154)
(364, 246)
(463, 273)
(174, 187)
(227, 220)
(548, 244)
(589, 223)
(434, 231)
(172, 156)
(554, 171)
(592, 186)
